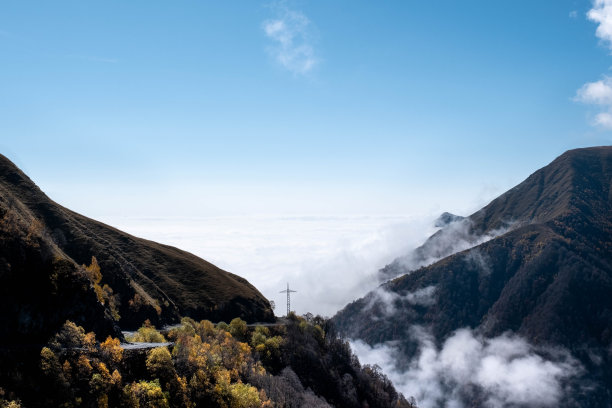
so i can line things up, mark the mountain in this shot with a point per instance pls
(536, 262)
(43, 282)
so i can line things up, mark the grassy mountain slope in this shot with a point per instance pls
(148, 280)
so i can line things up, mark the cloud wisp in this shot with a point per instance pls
(386, 302)
(504, 371)
(455, 237)
(600, 92)
(291, 33)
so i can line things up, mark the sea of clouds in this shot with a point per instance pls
(329, 260)
(334, 260)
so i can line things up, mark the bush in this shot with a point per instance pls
(238, 328)
(147, 335)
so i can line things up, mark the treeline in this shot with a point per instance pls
(302, 363)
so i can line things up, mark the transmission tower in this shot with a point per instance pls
(288, 292)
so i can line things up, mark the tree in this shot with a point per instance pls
(93, 271)
(238, 328)
(159, 364)
(51, 367)
(111, 350)
(70, 336)
(244, 396)
(145, 394)
(147, 334)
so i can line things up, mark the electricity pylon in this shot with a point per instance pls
(288, 292)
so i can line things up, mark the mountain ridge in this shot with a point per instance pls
(508, 211)
(148, 280)
(547, 278)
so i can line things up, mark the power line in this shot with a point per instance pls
(288, 292)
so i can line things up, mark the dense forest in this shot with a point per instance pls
(298, 363)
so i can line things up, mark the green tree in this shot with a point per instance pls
(238, 328)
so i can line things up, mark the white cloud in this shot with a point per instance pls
(385, 301)
(603, 119)
(291, 33)
(601, 13)
(600, 92)
(506, 371)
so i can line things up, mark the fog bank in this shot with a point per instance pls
(505, 371)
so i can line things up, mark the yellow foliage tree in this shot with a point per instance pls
(50, 366)
(145, 394)
(84, 367)
(159, 364)
(147, 335)
(244, 396)
(93, 271)
(111, 350)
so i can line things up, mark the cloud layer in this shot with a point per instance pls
(504, 371)
(329, 260)
(291, 34)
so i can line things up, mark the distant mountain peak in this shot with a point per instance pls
(446, 218)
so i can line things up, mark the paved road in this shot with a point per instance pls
(140, 346)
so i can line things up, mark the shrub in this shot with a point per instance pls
(238, 328)
(147, 335)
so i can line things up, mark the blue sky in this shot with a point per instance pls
(324, 107)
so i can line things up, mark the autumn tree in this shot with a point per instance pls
(111, 351)
(147, 334)
(159, 364)
(145, 394)
(104, 293)
(238, 328)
